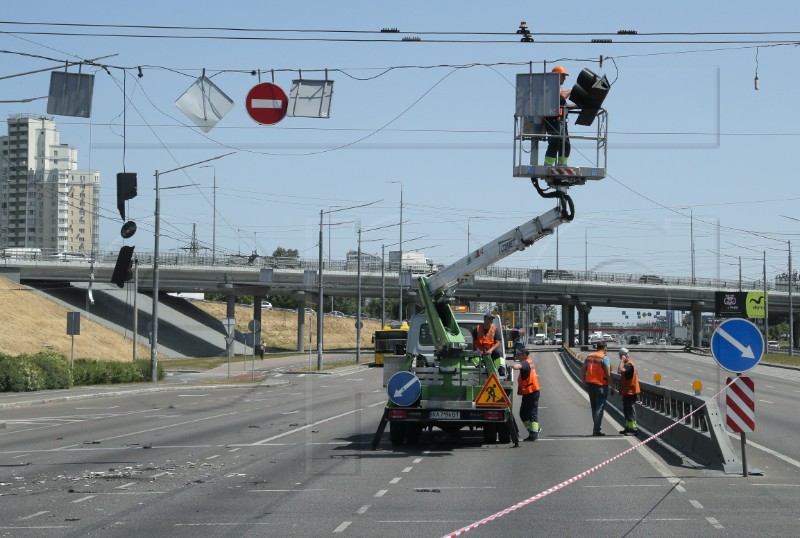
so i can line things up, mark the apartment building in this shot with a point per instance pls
(46, 202)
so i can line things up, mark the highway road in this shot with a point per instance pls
(295, 460)
(777, 391)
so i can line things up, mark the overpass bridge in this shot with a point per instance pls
(577, 292)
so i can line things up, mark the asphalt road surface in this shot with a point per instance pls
(295, 460)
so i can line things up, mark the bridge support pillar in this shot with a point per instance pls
(583, 313)
(697, 323)
(301, 320)
(568, 334)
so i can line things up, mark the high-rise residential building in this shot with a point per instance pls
(46, 202)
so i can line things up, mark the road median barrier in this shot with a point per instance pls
(699, 428)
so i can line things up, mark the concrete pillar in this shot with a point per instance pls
(301, 320)
(411, 305)
(697, 323)
(571, 324)
(584, 310)
(564, 321)
(230, 312)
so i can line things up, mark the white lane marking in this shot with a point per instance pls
(696, 504)
(765, 401)
(354, 379)
(714, 522)
(290, 412)
(770, 387)
(213, 457)
(218, 524)
(342, 527)
(384, 403)
(21, 456)
(31, 516)
(395, 480)
(627, 486)
(84, 499)
(301, 428)
(620, 519)
(84, 408)
(283, 490)
(192, 395)
(381, 493)
(407, 469)
(778, 485)
(787, 459)
(680, 489)
(301, 375)
(417, 460)
(124, 486)
(234, 449)
(40, 527)
(363, 509)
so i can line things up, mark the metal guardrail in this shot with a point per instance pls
(700, 432)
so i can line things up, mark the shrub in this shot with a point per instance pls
(19, 374)
(55, 369)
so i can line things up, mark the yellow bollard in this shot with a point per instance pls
(697, 385)
(657, 379)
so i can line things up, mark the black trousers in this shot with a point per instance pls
(552, 126)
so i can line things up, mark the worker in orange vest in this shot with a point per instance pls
(595, 372)
(629, 390)
(528, 388)
(558, 146)
(486, 340)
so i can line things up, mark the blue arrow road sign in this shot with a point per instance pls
(404, 388)
(737, 345)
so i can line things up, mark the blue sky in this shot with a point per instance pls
(689, 134)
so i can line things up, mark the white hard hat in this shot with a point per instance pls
(623, 351)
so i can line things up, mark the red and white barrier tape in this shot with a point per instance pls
(575, 478)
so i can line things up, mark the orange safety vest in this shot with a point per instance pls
(595, 373)
(485, 340)
(629, 387)
(530, 385)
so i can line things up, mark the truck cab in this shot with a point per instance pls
(420, 341)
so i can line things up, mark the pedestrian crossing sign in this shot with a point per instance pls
(492, 394)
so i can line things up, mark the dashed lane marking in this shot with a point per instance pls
(395, 480)
(363, 509)
(31, 516)
(407, 470)
(696, 504)
(417, 460)
(125, 486)
(382, 492)
(342, 527)
(714, 522)
(83, 499)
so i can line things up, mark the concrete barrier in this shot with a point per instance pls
(701, 436)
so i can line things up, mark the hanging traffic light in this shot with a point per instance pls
(126, 189)
(123, 270)
(588, 93)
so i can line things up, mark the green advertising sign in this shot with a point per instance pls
(740, 304)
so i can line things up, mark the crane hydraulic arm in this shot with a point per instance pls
(433, 290)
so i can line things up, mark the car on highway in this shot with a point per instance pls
(662, 341)
(634, 340)
(773, 345)
(651, 279)
(704, 342)
(678, 341)
(336, 314)
(310, 312)
(266, 305)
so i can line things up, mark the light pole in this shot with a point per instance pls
(319, 277)
(157, 232)
(213, 216)
(400, 270)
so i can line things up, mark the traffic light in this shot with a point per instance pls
(588, 93)
(126, 189)
(123, 269)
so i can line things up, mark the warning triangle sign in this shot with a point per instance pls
(492, 394)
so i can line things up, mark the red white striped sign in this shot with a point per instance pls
(740, 401)
(560, 171)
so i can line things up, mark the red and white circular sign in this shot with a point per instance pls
(266, 103)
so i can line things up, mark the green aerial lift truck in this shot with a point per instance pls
(449, 391)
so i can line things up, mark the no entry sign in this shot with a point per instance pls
(266, 103)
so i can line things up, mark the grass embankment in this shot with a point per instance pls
(782, 358)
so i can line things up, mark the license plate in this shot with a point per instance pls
(452, 415)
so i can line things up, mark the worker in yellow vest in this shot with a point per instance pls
(629, 390)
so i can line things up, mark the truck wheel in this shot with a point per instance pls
(397, 433)
(412, 433)
(490, 433)
(503, 434)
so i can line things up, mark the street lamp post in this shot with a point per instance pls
(400, 267)
(157, 232)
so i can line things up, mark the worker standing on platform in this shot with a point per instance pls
(528, 388)
(629, 390)
(486, 340)
(595, 372)
(558, 146)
